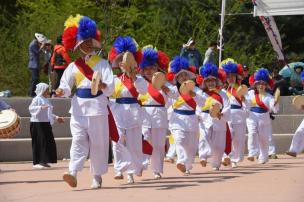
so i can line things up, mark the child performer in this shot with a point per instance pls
(128, 155)
(42, 117)
(297, 144)
(213, 129)
(237, 125)
(155, 121)
(261, 104)
(183, 123)
(89, 113)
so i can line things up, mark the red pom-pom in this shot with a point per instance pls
(98, 35)
(163, 61)
(112, 55)
(222, 75)
(138, 56)
(170, 76)
(199, 79)
(240, 69)
(69, 37)
(192, 69)
(251, 80)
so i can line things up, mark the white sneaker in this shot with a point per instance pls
(157, 176)
(130, 179)
(187, 172)
(38, 167)
(96, 183)
(216, 168)
(233, 164)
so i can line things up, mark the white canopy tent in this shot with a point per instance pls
(278, 7)
(265, 9)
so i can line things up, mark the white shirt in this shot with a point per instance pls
(185, 122)
(156, 117)
(88, 106)
(215, 123)
(41, 115)
(268, 100)
(128, 115)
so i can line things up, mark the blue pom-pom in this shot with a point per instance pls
(86, 29)
(123, 44)
(208, 69)
(302, 76)
(178, 63)
(150, 57)
(262, 75)
(230, 68)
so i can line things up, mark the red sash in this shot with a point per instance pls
(147, 147)
(88, 73)
(259, 102)
(233, 92)
(189, 100)
(84, 68)
(113, 133)
(156, 95)
(128, 83)
(218, 97)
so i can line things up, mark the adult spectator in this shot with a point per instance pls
(35, 48)
(193, 55)
(246, 76)
(296, 86)
(60, 60)
(209, 54)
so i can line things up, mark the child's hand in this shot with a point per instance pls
(60, 120)
(165, 89)
(45, 106)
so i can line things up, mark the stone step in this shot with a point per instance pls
(286, 123)
(21, 105)
(20, 149)
(59, 130)
(282, 124)
(62, 105)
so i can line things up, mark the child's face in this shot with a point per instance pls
(46, 93)
(211, 84)
(182, 77)
(231, 78)
(261, 86)
(149, 71)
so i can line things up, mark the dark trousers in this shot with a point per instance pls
(59, 73)
(34, 81)
(43, 143)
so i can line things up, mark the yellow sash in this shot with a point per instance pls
(91, 63)
(144, 98)
(178, 103)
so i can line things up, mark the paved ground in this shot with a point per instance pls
(278, 181)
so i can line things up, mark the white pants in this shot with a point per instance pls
(157, 137)
(238, 134)
(297, 144)
(272, 148)
(171, 151)
(258, 138)
(90, 136)
(186, 146)
(212, 144)
(128, 151)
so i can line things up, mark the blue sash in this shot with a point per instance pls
(235, 107)
(126, 100)
(86, 93)
(184, 112)
(258, 110)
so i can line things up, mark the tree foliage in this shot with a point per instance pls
(166, 24)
